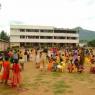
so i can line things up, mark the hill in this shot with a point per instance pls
(86, 35)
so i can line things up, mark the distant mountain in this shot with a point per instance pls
(86, 35)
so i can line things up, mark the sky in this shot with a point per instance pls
(57, 13)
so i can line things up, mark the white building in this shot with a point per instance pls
(27, 35)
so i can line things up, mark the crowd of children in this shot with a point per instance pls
(63, 59)
(10, 68)
(66, 59)
(48, 59)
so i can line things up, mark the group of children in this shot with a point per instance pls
(9, 69)
(71, 60)
(51, 59)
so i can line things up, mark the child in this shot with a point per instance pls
(50, 64)
(92, 69)
(38, 55)
(61, 66)
(54, 68)
(6, 70)
(70, 67)
(16, 78)
(43, 61)
(21, 60)
(70, 63)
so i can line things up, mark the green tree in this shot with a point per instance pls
(91, 43)
(4, 36)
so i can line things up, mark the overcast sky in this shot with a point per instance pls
(58, 13)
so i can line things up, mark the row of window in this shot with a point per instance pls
(64, 31)
(47, 31)
(46, 37)
(35, 30)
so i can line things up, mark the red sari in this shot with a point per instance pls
(16, 78)
(6, 70)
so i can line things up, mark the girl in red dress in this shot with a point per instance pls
(6, 70)
(16, 76)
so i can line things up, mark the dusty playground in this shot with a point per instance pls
(52, 83)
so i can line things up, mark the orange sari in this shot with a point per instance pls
(16, 78)
(6, 70)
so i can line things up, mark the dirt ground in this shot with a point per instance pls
(36, 82)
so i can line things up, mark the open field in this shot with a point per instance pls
(52, 83)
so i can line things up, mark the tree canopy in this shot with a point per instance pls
(4, 36)
(91, 43)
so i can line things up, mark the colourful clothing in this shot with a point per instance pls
(50, 65)
(16, 78)
(6, 70)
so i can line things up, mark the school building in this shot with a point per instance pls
(3, 44)
(40, 36)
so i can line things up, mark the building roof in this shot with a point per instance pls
(31, 27)
(3, 41)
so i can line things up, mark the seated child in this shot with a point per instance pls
(54, 68)
(61, 66)
(70, 66)
(92, 60)
(92, 68)
(80, 69)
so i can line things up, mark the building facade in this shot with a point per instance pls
(31, 36)
(3, 45)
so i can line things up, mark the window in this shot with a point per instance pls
(46, 37)
(73, 38)
(22, 37)
(46, 31)
(34, 30)
(68, 31)
(22, 30)
(59, 31)
(32, 37)
(59, 37)
(68, 37)
(28, 30)
(65, 31)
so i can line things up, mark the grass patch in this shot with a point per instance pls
(26, 85)
(60, 87)
(38, 78)
(80, 77)
(35, 85)
(45, 82)
(56, 74)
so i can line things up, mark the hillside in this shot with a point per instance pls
(86, 35)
